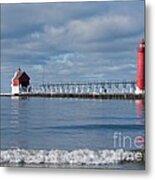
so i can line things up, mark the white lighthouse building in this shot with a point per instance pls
(20, 82)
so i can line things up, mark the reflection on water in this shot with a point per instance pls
(140, 110)
(42, 123)
(18, 122)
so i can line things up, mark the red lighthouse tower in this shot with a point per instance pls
(140, 82)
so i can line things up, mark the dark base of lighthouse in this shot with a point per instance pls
(95, 96)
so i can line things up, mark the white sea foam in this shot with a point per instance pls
(58, 157)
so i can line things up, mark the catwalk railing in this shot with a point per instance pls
(107, 87)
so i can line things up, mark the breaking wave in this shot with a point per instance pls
(81, 157)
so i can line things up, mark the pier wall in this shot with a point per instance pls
(84, 96)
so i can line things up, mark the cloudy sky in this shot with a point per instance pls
(82, 41)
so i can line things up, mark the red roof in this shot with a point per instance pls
(19, 74)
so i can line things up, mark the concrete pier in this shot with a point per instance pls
(84, 96)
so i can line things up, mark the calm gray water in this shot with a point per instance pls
(71, 124)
